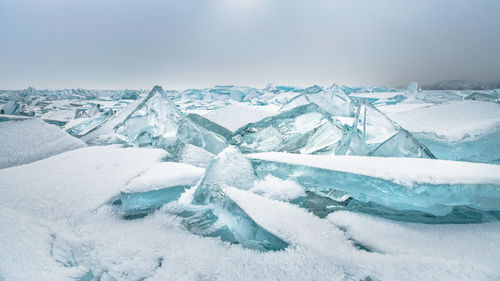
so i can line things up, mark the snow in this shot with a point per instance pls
(446, 242)
(405, 171)
(166, 174)
(237, 115)
(31, 140)
(48, 198)
(278, 189)
(455, 121)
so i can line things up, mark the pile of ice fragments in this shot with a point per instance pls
(333, 145)
(313, 139)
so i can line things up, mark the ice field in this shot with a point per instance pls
(240, 183)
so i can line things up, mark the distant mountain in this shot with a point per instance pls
(462, 84)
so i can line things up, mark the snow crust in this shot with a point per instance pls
(278, 189)
(166, 174)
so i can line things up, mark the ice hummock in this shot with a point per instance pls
(212, 212)
(306, 128)
(333, 100)
(311, 129)
(430, 186)
(157, 122)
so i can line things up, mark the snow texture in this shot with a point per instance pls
(31, 140)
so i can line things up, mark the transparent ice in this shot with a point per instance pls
(157, 122)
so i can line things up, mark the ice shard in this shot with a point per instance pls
(162, 184)
(431, 186)
(303, 129)
(157, 122)
(10, 108)
(412, 87)
(483, 149)
(136, 204)
(213, 213)
(126, 95)
(230, 168)
(333, 100)
(373, 133)
(89, 125)
(209, 125)
(322, 204)
(488, 97)
(194, 155)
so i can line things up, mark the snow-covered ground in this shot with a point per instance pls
(61, 197)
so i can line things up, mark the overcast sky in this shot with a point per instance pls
(102, 44)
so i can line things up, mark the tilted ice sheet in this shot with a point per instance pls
(165, 174)
(31, 140)
(431, 186)
(237, 115)
(406, 171)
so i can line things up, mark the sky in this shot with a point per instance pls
(116, 44)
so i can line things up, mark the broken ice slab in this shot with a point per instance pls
(5, 118)
(426, 185)
(163, 183)
(369, 130)
(458, 214)
(362, 89)
(142, 203)
(412, 87)
(229, 168)
(322, 205)
(213, 213)
(222, 217)
(10, 108)
(157, 122)
(126, 95)
(373, 133)
(89, 125)
(209, 125)
(479, 96)
(483, 149)
(194, 155)
(333, 100)
(310, 129)
(307, 128)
